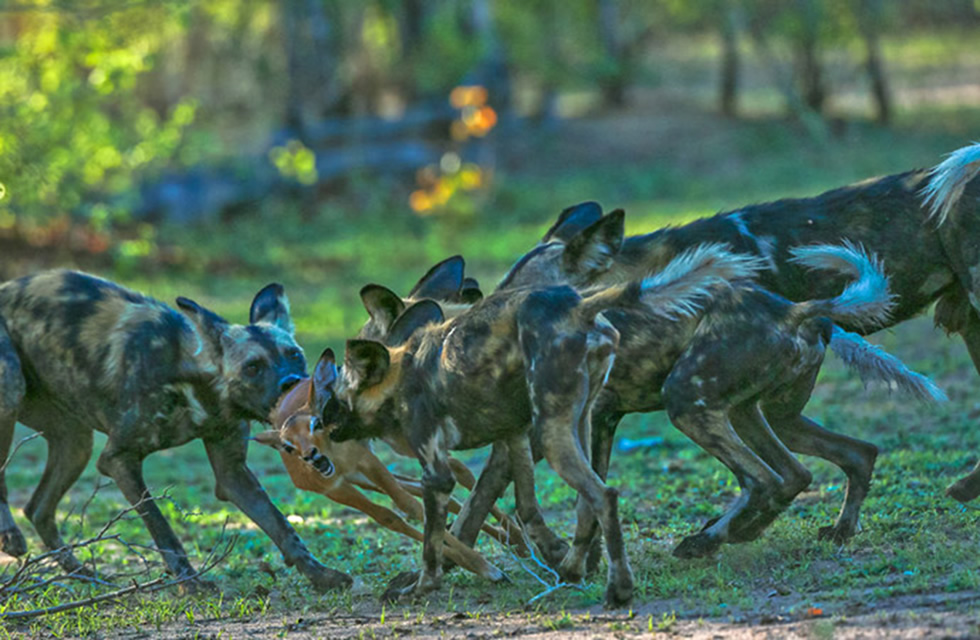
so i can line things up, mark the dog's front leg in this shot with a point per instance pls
(125, 467)
(236, 483)
(437, 484)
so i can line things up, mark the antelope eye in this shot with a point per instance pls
(288, 448)
(253, 368)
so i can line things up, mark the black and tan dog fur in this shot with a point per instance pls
(734, 377)
(923, 224)
(537, 355)
(79, 354)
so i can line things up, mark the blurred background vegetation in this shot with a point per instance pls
(206, 147)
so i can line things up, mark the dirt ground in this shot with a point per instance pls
(952, 616)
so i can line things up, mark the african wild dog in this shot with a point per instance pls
(337, 469)
(519, 357)
(79, 353)
(923, 224)
(729, 376)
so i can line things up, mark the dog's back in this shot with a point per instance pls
(83, 340)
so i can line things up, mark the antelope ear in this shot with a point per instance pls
(573, 221)
(470, 292)
(442, 282)
(269, 438)
(208, 323)
(271, 305)
(383, 305)
(415, 317)
(324, 375)
(591, 252)
(366, 362)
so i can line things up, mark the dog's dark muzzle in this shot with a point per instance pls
(288, 382)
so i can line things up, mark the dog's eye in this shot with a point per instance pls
(294, 354)
(253, 368)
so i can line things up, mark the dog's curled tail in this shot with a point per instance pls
(874, 364)
(865, 302)
(683, 286)
(948, 180)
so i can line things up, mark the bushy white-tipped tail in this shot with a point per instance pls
(948, 180)
(865, 302)
(682, 287)
(685, 284)
(874, 364)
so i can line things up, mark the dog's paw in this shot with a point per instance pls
(619, 592)
(699, 545)
(400, 586)
(12, 542)
(410, 584)
(326, 579)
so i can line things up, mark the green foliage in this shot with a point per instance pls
(72, 125)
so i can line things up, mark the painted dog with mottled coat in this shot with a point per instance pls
(734, 377)
(924, 225)
(535, 356)
(80, 354)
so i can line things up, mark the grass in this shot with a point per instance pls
(914, 540)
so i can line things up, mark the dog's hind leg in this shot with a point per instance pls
(552, 548)
(12, 391)
(709, 427)
(968, 487)
(753, 428)
(856, 458)
(560, 396)
(68, 453)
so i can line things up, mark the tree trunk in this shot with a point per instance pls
(869, 16)
(729, 61)
(810, 72)
(613, 78)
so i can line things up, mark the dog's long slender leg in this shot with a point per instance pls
(604, 423)
(488, 488)
(855, 457)
(552, 548)
(12, 391)
(235, 482)
(126, 468)
(712, 431)
(752, 427)
(968, 487)
(560, 400)
(67, 456)
(437, 485)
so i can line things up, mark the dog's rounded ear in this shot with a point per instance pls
(383, 305)
(470, 292)
(591, 253)
(573, 221)
(441, 282)
(324, 375)
(269, 438)
(365, 363)
(208, 323)
(271, 306)
(415, 317)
